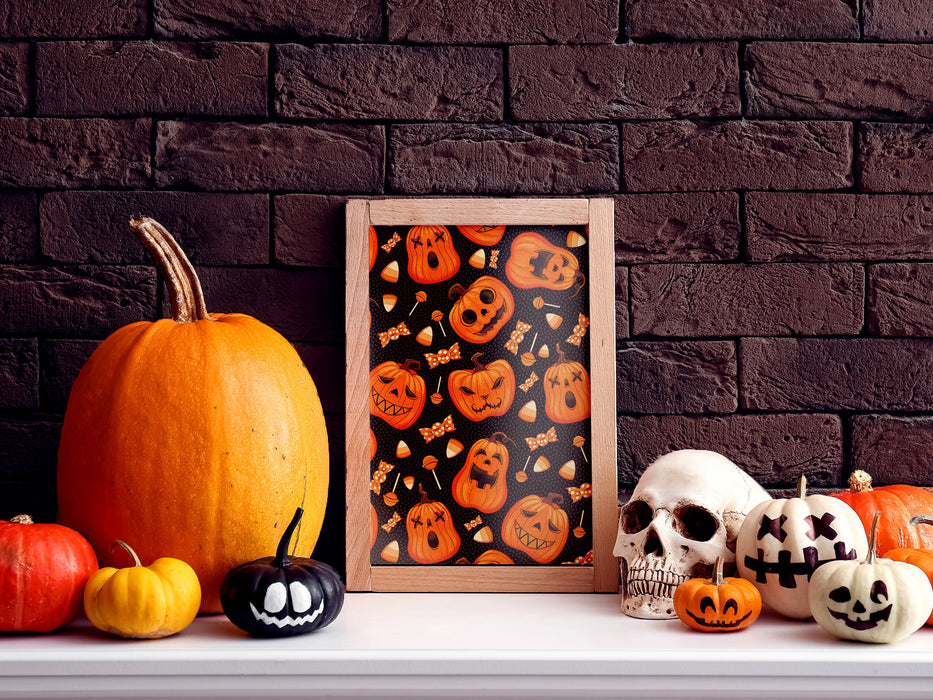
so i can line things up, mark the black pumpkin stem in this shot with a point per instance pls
(281, 553)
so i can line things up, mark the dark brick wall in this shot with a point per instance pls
(771, 163)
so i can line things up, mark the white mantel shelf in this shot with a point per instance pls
(463, 645)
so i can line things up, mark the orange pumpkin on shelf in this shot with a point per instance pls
(717, 604)
(187, 435)
(483, 235)
(431, 254)
(537, 526)
(897, 503)
(534, 262)
(397, 393)
(482, 310)
(482, 483)
(484, 391)
(566, 390)
(432, 537)
(921, 558)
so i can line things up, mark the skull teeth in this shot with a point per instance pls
(656, 583)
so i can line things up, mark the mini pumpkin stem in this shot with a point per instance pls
(872, 538)
(22, 519)
(917, 520)
(411, 365)
(281, 553)
(182, 281)
(802, 486)
(859, 481)
(717, 572)
(129, 549)
(477, 365)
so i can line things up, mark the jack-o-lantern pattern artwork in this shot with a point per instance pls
(467, 437)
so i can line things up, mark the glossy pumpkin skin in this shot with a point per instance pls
(184, 421)
(482, 482)
(535, 263)
(484, 391)
(143, 602)
(43, 570)
(717, 604)
(921, 558)
(432, 536)
(897, 503)
(566, 391)
(397, 393)
(537, 526)
(483, 235)
(432, 256)
(282, 596)
(480, 311)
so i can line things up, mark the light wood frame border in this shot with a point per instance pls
(598, 215)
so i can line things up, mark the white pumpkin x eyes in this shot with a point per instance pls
(301, 597)
(275, 599)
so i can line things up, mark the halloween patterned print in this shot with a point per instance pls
(479, 396)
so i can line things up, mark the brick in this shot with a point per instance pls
(899, 299)
(310, 230)
(61, 361)
(531, 158)
(895, 157)
(359, 20)
(775, 449)
(722, 300)
(19, 373)
(327, 366)
(213, 229)
(73, 19)
(676, 377)
(72, 153)
(28, 449)
(621, 299)
(893, 449)
(837, 374)
(804, 226)
(721, 155)
(340, 81)
(810, 80)
(516, 22)
(678, 227)
(37, 498)
(897, 20)
(628, 81)
(74, 302)
(19, 230)
(742, 19)
(233, 156)
(14, 78)
(91, 78)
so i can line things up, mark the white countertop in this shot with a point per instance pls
(470, 645)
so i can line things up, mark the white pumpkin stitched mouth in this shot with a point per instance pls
(288, 620)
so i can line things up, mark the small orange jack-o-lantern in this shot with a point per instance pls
(534, 262)
(397, 393)
(482, 310)
(537, 526)
(483, 235)
(484, 391)
(566, 391)
(373, 247)
(431, 534)
(717, 604)
(482, 483)
(431, 254)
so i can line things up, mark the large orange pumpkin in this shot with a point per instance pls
(188, 435)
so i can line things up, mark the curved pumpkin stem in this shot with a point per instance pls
(859, 481)
(554, 499)
(281, 553)
(477, 365)
(456, 291)
(802, 486)
(411, 365)
(873, 538)
(561, 358)
(129, 549)
(182, 281)
(502, 437)
(22, 519)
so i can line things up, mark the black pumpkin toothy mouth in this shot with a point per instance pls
(384, 406)
(529, 540)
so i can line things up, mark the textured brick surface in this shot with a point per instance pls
(128, 78)
(19, 230)
(310, 230)
(726, 300)
(28, 449)
(74, 152)
(900, 299)
(235, 156)
(548, 158)
(336, 81)
(19, 373)
(213, 229)
(61, 361)
(768, 155)
(622, 315)
(688, 227)
(829, 226)
(632, 81)
(774, 448)
(837, 374)
(895, 157)
(14, 78)
(676, 377)
(72, 19)
(307, 19)
(897, 20)
(515, 22)
(893, 449)
(743, 19)
(812, 80)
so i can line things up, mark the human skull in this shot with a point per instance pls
(686, 510)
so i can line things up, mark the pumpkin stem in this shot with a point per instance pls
(802, 486)
(477, 365)
(182, 281)
(129, 549)
(22, 519)
(717, 579)
(424, 496)
(281, 553)
(872, 538)
(859, 481)
(411, 365)
(560, 354)
(554, 499)
(916, 520)
(500, 437)
(456, 291)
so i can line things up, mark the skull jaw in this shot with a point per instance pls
(648, 591)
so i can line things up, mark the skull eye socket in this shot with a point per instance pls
(636, 516)
(695, 523)
(840, 595)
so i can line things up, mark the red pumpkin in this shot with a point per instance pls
(431, 534)
(431, 254)
(483, 235)
(43, 570)
(482, 310)
(482, 483)
(397, 393)
(535, 262)
(537, 526)
(566, 391)
(484, 391)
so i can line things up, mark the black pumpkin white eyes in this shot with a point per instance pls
(277, 596)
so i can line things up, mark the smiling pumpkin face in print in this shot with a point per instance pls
(537, 526)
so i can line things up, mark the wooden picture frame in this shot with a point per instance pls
(365, 319)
